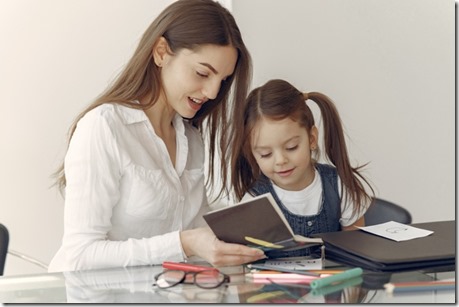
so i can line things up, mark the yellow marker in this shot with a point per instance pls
(264, 296)
(262, 243)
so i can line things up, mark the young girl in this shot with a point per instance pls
(134, 170)
(277, 152)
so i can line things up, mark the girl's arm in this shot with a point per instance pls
(360, 223)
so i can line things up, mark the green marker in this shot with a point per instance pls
(348, 274)
(333, 288)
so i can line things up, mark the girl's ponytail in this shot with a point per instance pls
(336, 151)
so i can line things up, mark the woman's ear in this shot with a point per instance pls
(160, 51)
(314, 138)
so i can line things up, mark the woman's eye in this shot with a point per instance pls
(292, 148)
(203, 75)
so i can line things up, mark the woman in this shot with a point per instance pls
(133, 173)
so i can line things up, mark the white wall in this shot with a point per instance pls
(55, 57)
(388, 64)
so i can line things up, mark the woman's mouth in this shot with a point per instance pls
(195, 103)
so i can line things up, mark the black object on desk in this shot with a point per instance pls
(372, 252)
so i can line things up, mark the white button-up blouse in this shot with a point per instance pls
(125, 202)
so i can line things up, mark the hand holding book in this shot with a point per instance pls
(257, 222)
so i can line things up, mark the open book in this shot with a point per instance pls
(257, 222)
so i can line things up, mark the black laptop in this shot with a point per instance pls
(372, 252)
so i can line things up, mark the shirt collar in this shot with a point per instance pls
(131, 115)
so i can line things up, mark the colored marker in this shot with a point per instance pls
(264, 296)
(262, 243)
(280, 275)
(325, 271)
(340, 286)
(419, 286)
(186, 267)
(348, 274)
(268, 268)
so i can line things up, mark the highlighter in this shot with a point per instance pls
(333, 288)
(262, 243)
(348, 274)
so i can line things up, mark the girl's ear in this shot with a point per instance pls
(314, 138)
(160, 51)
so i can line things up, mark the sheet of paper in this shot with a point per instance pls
(396, 231)
(297, 264)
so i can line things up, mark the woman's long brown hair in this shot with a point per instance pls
(278, 99)
(185, 24)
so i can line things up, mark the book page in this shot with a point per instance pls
(396, 231)
(300, 238)
(255, 220)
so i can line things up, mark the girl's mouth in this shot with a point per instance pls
(285, 173)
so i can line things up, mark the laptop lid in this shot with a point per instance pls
(374, 252)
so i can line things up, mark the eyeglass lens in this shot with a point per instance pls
(205, 279)
(209, 279)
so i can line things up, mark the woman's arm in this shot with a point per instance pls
(203, 243)
(93, 167)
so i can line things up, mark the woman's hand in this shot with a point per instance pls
(203, 243)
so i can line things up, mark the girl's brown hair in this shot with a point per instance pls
(277, 100)
(185, 24)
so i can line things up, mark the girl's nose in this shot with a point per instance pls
(280, 159)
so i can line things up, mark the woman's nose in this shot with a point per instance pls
(211, 89)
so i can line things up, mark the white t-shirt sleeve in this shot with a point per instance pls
(246, 197)
(346, 211)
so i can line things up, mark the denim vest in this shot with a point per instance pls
(326, 220)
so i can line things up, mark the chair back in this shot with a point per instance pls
(4, 240)
(382, 211)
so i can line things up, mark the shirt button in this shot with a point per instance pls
(182, 198)
(309, 223)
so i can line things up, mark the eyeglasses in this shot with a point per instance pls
(193, 294)
(208, 279)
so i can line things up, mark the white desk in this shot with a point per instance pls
(134, 285)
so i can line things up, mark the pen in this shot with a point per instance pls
(348, 274)
(186, 267)
(263, 267)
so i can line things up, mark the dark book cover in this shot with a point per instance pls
(256, 219)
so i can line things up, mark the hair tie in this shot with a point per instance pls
(305, 96)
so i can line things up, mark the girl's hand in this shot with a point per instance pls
(203, 243)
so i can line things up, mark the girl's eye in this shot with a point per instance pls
(203, 75)
(265, 155)
(292, 148)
